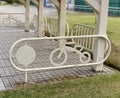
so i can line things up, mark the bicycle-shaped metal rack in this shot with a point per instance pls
(58, 53)
(10, 19)
(26, 54)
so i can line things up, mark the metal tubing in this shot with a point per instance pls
(60, 67)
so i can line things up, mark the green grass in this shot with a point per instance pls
(106, 86)
(113, 31)
(80, 18)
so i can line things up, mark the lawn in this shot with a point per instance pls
(113, 31)
(105, 86)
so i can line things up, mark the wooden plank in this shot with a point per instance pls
(27, 16)
(35, 2)
(56, 3)
(101, 28)
(40, 18)
(62, 20)
(22, 1)
(94, 4)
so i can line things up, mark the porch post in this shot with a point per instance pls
(101, 9)
(40, 18)
(101, 28)
(61, 20)
(36, 2)
(27, 16)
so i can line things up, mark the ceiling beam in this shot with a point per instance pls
(36, 2)
(94, 4)
(22, 1)
(56, 3)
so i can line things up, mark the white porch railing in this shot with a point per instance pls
(26, 54)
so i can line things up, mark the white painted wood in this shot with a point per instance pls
(27, 16)
(101, 28)
(56, 3)
(61, 21)
(94, 4)
(22, 1)
(40, 18)
(35, 2)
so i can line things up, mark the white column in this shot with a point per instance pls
(40, 18)
(101, 28)
(61, 21)
(27, 16)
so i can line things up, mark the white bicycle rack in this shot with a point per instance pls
(12, 19)
(26, 54)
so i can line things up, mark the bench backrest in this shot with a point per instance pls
(80, 29)
(52, 26)
(35, 23)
